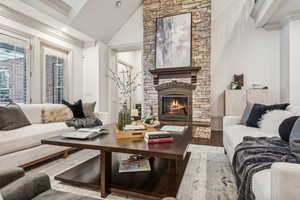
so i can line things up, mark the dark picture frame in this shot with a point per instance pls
(173, 41)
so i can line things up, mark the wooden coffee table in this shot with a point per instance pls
(168, 164)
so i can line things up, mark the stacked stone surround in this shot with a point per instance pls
(201, 38)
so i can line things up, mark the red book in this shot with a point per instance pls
(159, 140)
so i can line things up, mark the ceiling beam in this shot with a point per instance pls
(59, 6)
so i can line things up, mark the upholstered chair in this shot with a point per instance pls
(15, 185)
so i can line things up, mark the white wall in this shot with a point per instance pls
(290, 62)
(284, 63)
(244, 49)
(75, 60)
(294, 69)
(131, 33)
(95, 82)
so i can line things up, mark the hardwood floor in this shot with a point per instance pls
(215, 140)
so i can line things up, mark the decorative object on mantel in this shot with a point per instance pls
(173, 41)
(126, 83)
(179, 72)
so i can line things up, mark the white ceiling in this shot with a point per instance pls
(273, 14)
(287, 8)
(99, 19)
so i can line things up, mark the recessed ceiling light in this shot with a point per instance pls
(64, 29)
(118, 3)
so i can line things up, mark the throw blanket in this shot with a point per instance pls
(254, 155)
(88, 122)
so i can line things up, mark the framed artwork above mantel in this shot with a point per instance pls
(173, 41)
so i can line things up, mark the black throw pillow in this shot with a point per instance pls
(258, 110)
(286, 127)
(76, 108)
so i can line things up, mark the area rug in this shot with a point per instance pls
(208, 175)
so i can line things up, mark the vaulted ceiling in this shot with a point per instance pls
(99, 19)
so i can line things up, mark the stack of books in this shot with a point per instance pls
(137, 166)
(158, 137)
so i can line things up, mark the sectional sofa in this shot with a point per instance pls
(22, 147)
(282, 181)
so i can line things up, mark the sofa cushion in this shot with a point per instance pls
(33, 112)
(12, 117)
(29, 136)
(261, 185)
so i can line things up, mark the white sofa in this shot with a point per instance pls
(282, 181)
(22, 147)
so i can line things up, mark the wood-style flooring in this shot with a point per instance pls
(215, 140)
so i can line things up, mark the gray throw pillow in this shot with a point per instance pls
(88, 109)
(12, 117)
(295, 140)
(246, 114)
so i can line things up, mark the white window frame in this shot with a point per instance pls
(14, 38)
(46, 50)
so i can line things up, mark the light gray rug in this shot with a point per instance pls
(208, 175)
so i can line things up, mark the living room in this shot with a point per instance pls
(149, 99)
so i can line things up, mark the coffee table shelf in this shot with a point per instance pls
(163, 180)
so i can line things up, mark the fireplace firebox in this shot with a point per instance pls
(175, 101)
(175, 105)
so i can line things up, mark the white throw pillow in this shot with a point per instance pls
(271, 121)
(295, 110)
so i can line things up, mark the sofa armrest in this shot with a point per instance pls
(9, 175)
(26, 187)
(231, 120)
(104, 117)
(285, 181)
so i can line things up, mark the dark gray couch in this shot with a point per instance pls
(15, 185)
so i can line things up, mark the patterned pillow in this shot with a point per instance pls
(56, 113)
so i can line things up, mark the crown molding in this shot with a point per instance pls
(33, 23)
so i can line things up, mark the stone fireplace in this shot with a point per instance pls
(175, 101)
(188, 100)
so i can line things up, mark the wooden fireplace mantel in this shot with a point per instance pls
(178, 72)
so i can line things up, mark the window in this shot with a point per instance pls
(4, 86)
(54, 69)
(13, 70)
